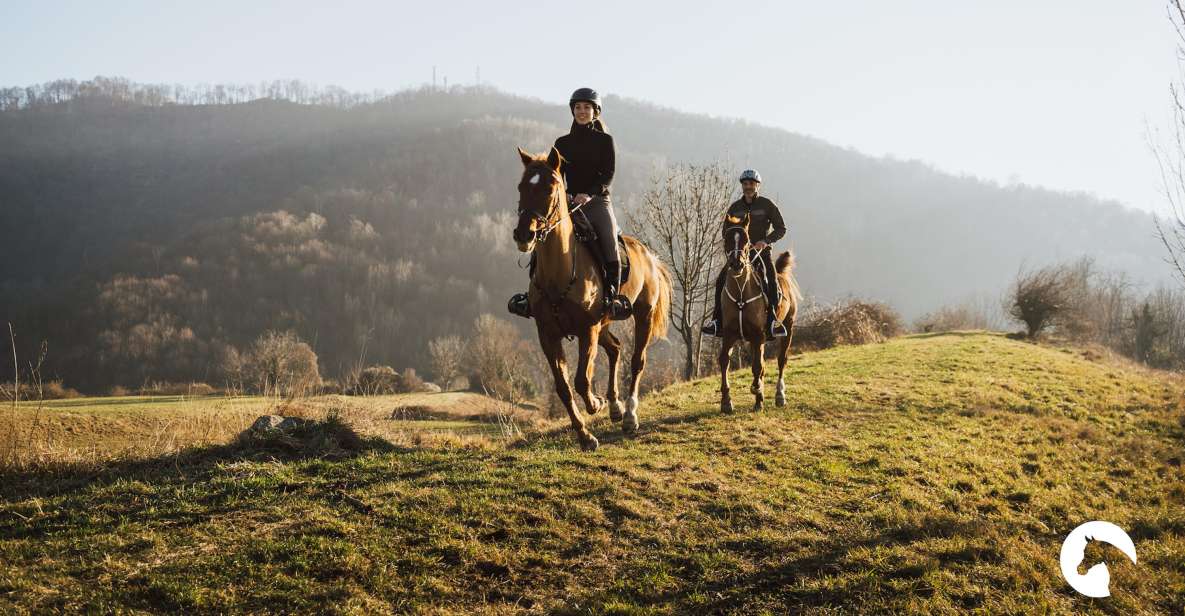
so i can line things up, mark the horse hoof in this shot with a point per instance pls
(595, 404)
(589, 442)
(757, 406)
(629, 424)
(615, 410)
(780, 400)
(726, 406)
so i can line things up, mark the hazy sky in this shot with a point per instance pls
(1056, 93)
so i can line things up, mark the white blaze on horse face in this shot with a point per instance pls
(535, 179)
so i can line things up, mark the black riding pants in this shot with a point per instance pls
(771, 281)
(600, 213)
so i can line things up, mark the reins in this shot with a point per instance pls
(742, 277)
(540, 237)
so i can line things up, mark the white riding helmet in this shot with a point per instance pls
(750, 174)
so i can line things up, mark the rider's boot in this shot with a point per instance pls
(520, 303)
(712, 328)
(776, 328)
(617, 305)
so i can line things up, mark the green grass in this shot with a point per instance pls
(929, 474)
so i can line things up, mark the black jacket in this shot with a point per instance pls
(589, 159)
(763, 215)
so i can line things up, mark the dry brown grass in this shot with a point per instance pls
(93, 433)
(850, 321)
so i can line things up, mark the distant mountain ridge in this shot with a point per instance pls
(95, 188)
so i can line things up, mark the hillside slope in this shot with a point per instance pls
(934, 473)
(143, 243)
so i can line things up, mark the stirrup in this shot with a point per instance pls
(520, 305)
(777, 329)
(711, 328)
(619, 307)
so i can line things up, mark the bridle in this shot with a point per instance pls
(742, 277)
(548, 223)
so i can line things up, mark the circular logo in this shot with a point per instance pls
(1097, 581)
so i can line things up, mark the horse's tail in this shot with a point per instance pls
(662, 306)
(785, 265)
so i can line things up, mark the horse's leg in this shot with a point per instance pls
(553, 349)
(723, 360)
(585, 368)
(612, 347)
(783, 353)
(643, 322)
(757, 350)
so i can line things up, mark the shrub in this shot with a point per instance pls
(375, 381)
(493, 361)
(850, 321)
(331, 387)
(281, 364)
(165, 388)
(966, 315)
(49, 390)
(1041, 298)
(447, 355)
(409, 382)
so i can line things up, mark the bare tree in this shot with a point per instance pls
(446, 354)
(283, 365)
(16, 372)
(1171, 159)
(1039, 298)
(680, 219)
(494, 360)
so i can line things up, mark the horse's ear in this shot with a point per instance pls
(736, 220)
(527, 158)
(554, 159)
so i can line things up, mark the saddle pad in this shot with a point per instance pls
(587, 234)
(625, 259)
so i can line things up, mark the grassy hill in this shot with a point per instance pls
(932, 474)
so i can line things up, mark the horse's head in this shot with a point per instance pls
(736, 241)
(541, 198)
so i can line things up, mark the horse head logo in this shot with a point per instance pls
(1097, 581)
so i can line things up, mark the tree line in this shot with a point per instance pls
(143, 242)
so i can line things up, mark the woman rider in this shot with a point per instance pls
(587, 169)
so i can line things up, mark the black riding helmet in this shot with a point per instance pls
(587, 95)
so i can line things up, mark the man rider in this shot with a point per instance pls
(765, 228)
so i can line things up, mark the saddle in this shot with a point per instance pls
(587, 235)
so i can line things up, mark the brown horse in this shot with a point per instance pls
(743, 315)
(565, 296)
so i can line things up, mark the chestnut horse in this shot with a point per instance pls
(565, 296)
(742, 311)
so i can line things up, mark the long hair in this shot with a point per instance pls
(597, 123)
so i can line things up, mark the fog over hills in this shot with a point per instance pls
(135, 230)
